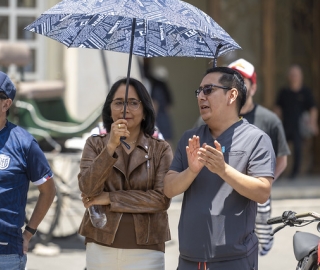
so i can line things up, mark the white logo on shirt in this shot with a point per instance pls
(4, 162)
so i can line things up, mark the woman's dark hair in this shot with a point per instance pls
(148, 124)
(233, 79)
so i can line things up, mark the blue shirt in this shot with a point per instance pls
(21, 161)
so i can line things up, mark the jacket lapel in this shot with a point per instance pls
(138, 156)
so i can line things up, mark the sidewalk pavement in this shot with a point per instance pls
(303, 187)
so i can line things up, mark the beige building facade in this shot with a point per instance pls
(273, 34)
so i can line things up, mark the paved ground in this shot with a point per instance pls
(304, 187)
(300, 195)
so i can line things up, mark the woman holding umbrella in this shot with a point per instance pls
(128, 183)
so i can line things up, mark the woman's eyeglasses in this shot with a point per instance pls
(132, 104)
(207, 89)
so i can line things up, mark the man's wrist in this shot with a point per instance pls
(30, 230)
(194, 174)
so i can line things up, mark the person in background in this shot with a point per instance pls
(269, 122)
(162, 99)
(21, 161)
(128, 183)
(224, 168)
(291, 104)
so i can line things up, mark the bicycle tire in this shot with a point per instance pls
(72, 210)
(51, 219)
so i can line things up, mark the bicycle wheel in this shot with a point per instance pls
(72, 210)
(51, 219)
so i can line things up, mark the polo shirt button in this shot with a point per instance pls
(146, 156)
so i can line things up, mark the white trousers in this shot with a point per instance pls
(105, 258)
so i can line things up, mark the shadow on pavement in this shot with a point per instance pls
(65, 244)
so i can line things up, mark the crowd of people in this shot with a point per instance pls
(225, 167)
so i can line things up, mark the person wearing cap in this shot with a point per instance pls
(223, 168)
(270, 123)
(21, 161)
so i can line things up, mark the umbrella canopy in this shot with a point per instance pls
(162, 27)
(148, 28)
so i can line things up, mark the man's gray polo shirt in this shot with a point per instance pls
(216, 222)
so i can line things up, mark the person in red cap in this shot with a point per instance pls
(272, 125)
(267, 121)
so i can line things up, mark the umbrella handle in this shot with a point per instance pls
(216, 55)
(124, 143)
(128, 77)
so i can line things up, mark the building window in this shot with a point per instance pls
(4, 3)
(4, 27)
(15, 15)
(22, 22)
(31, 67)
(26, 3)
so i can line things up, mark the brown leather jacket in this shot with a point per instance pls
(136, 189)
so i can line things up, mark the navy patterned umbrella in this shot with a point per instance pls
(148, 28)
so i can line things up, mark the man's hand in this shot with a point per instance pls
(26, 239)
(176, 183)
(212, 158)
(192, 149)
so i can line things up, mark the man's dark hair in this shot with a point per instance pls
(233, 79)
(148, 124)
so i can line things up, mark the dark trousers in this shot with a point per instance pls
(247, 263)
(297, 141)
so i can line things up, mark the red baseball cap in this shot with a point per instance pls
(245, 68)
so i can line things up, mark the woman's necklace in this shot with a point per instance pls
(131, 142)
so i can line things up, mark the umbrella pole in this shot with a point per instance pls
(105, 68)
(216, 55)
(128, 77)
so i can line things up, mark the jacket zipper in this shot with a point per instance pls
(148, 168)
(148, 172)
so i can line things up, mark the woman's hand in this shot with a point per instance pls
(118, 130)
(102, 199)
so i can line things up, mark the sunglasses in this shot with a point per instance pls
(207, 89)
